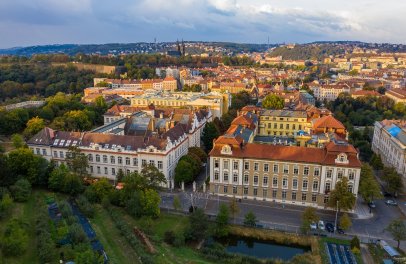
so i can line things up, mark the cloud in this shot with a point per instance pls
(101, 21)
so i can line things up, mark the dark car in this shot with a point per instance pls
(330, 227)
(340, 231)
(371, 204)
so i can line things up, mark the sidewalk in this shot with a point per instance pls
(362, 211)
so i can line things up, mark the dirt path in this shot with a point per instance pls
(366, 256)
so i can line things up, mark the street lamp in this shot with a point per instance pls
(335, 224)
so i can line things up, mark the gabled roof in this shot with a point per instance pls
(327, 122)
(43, 137)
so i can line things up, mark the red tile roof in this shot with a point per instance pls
(327, 122)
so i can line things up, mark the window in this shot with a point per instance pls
(264, 193)
(328, 187)
(225, 164)
(216, 163)
(144, 162)
(285, 183)
(112, 159)
(152, 162)
(325, 199)
(274, 193)
(38, 151)
(265, 181)
(255, 166)
(283, 195)
(55, 154)
(98, 170)
(89, 157)
(316, 171)
(235, 165)
(305, 184)
(105, 170)
(62, 156)
(246, 165)
(246, 179)
(340, 174)
(256, 180)
(216, 175)
(225, 189)
(294, 184)
(160, 164)
(350, 188)
(225, 176)
(275, 182)
(234, 189)
(306, 170)
(91, 169)
(235, 177)
(128, 172)
(135, 161)
(304, 196)
(314, 197)
(44, 152)
(285, 169)
(287, 126)
(113, 171)
(295, 170)
(329, 173)
(351, 175)
(275, 168)
(127, 161)
(97, 158)
(255, 191)
(104, 158)
(280, 126)
(120, 160)
(315, 185)
(294, 196)
(266, 167)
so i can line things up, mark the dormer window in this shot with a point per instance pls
(342, 158)
(226, 149)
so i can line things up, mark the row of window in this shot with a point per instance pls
(106, 170)
(120, 160)
(284, 126)
(282, 119)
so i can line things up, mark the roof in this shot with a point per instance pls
(327, 122)
(43, 137)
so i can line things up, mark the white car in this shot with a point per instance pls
(313, 226)
(321, 225)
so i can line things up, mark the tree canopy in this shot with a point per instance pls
(273, 101)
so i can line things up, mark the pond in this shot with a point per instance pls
(260, 248)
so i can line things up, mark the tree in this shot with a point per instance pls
(154, 177)
(72, 184)
(345, 222)
(34, 125)
(210, 132)
(309, 216)
(76, 233)
(15, 239)
(250, 219)
(6, 204)
(176, 203)
(199, 153)
(376, 162)
(17, 141)
(234, 208)
(88, 256)
(150, 200)
(369, 188)
(355, 243)
(21, 190)
(77, 161)
(223, 216)
(56, 179)
(273, 101)
(198, 224)
(393, 180)
(183, 172)
(341, 196)
(397, 229)
(133, 182)
(102, 188)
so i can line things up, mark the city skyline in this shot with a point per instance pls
(300, 21)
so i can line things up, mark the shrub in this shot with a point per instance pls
(355, 243)
(5, 206)
(66, 209)
(45, 244)
(84, 206)
(15, 239)
(21, 190)
(169, 237)
(77, 234)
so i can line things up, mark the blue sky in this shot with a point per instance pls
(33, 22)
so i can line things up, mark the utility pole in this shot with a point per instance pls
(335, 225)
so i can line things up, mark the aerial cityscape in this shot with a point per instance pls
(215, 131)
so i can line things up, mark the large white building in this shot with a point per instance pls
(389, 142)
(128, 143)
(329, 92)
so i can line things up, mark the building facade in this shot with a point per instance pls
(282, 122)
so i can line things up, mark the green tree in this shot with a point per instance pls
(150, 201)
(183, 172)
(6, 204)
(393, 180)
(223, 216)
(210, 133)
(198, 225)
(34, 125)
(345, 222)
(376, 162)
(72, 184)
(355, 243)
(369, 187)
(234, 208)
(17, 141)
(21, 190)
(273, 101)
(77, 120)
(133, 182)
(56, 179)
(397, 229)
(250, 219)
(77, 161)
(309, 216)
(176, 203)
(102, 188)
(154, 177)
(199, 153)
(15, 239)
(76, 233)
(353, 72)
(88, 256)
(341, 196)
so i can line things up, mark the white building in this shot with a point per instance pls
(329, 92)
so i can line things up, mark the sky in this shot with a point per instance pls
(38, 22)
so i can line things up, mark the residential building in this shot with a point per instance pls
(282, 122)
(397, 95)
(329, 92)
(389, 141)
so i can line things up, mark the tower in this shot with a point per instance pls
(177, 44)
(183, 48)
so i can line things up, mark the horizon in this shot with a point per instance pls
(237, 21)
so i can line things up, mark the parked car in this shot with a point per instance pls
(330, 227)
(391, 202)
(340, 231)
(321, 225)
(372, 204)
(313, 226)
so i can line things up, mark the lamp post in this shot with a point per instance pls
(335, 224)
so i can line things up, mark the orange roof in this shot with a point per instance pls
(242, 120)
(366, 93)
(327, 122)
(169, 78)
